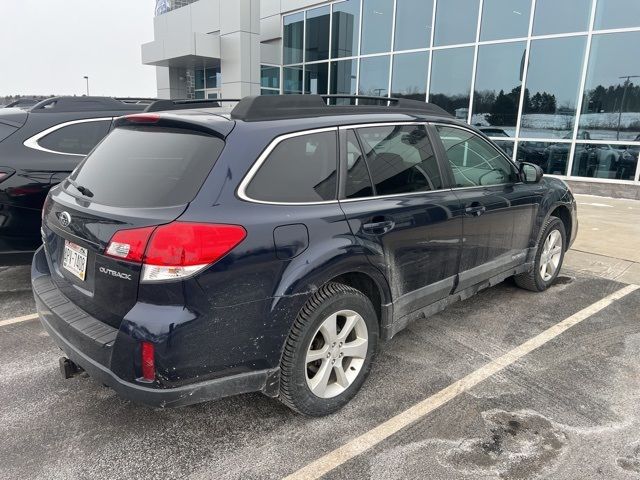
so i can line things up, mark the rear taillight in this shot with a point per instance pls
(129, 244)
(176, 250)
(148, 360)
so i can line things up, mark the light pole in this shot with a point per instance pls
(87, 79)
(627, 82)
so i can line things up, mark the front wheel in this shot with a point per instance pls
(328, 353)
(548, 259)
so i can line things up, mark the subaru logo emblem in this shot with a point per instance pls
(65, 219)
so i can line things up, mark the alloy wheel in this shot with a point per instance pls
(551, 253)
(336, 353)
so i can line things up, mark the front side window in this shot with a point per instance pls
(299, 169)
(400, 159)
(474, 161)
(77, 139)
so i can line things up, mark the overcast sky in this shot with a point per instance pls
(47, 46)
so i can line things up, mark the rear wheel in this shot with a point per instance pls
(548, 259)
(328, 353)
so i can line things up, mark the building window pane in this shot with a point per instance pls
(343, 78)
(605, 161)
(374, 76)
(199, 79)
(212, 78)
(316, 77)
(317, 44)
(410, 75)
(377, 16)
(292, 38)
(456, 21)
(344, 29)
(199, 94)
(413, 24)
(611, 101)
(552, 90)
(498, 83)
(552, 16)
(451, 72)
(269, 76)
(505, 19)
(292, 80)
(400, 159)
(506, 146)
(551, 157)
(617, 14)
(266, 91)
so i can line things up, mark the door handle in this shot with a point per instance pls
(378, 227)
(475, 210)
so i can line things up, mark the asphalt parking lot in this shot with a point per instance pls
(567, 409)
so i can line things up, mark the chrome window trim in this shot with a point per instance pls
(242, 188)
(32, 142)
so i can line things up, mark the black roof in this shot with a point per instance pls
(280, 107)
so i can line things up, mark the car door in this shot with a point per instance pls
(499, 210)
(394, 197)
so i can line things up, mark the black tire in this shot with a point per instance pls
(329, 299)
(533, 280)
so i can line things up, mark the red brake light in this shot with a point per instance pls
(143, 118)
(148, 361)
(129, 244)
(182, 244)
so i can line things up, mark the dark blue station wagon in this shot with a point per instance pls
(203, 251)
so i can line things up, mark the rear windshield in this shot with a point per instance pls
(148, 167)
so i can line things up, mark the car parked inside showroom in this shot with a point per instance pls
(198, 252)
(39, 147)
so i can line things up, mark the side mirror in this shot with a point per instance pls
(530, 173)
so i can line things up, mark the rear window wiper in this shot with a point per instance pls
(83, 190)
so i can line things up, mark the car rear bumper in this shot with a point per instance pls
(89, 343)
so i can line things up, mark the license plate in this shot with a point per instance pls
(75, 259)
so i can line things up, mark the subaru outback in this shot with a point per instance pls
(199, 252)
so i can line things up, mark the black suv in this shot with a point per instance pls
(201, 253)
(40, 147)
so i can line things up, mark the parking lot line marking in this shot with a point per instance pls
(24, 318)
(370, 439)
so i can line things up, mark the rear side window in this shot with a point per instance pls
(474, 161)
(400, 159)
(148, 166)
(79, 138)
(299, 170)
(6, 130)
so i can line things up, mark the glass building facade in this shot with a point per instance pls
(556, 83)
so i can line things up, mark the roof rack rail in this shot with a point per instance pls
(184, 104)
(137, 100)
(83, 104)
(274, 107)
